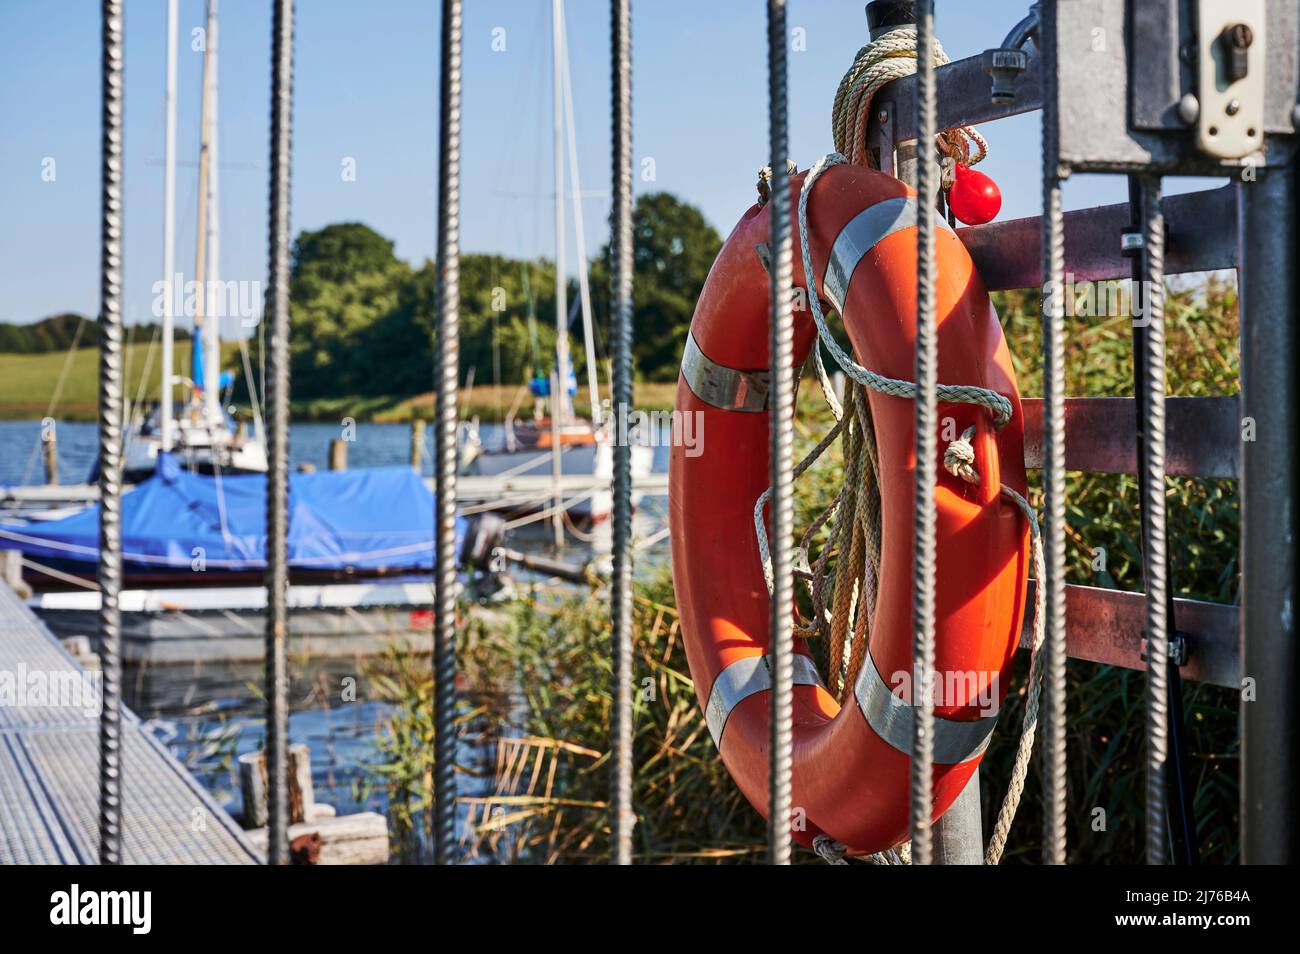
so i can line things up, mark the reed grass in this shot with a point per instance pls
(543, 678)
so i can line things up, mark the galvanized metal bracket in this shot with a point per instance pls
(1178, 648)
(1146, 89)
(1231, 63)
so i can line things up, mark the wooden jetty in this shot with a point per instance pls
(49, 757)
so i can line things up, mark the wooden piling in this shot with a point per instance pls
(50, 451)
(338, 454)
(417, 442)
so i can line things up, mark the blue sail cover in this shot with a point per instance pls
(373, 519)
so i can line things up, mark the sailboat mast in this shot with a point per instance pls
(169, 233)
(559, 400)
(197, 364)
(212, 327)
(580, 240)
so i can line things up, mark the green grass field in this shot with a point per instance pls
(28, 381)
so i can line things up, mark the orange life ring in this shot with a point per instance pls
(851, 764)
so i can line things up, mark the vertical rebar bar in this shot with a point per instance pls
(1154, 550)
(110, 440)
(620, 799)
(447, 373)
(927, 413)
(1179, 808)
(277, 442)
(1053, 316)
(781, 395)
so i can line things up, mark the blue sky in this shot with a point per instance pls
(365, 84)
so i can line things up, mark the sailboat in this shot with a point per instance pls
(200, 435)
(555, 439)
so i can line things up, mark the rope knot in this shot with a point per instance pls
(764, 183)
(829, 850)
(959, 457)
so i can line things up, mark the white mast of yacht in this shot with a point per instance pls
(584, 288)
(212, 320)
(559, 395)
(167, 422)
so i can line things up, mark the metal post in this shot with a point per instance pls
(781, 647)
(447, 374)
(927, 413)
(623, 819)
(277, 413)
(1053, 311)
(1270, 752)
(959, 832)
(1155, 572)
(110, 441)
(169, 237)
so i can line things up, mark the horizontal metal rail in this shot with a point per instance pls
(965, 97)
(1200, 236)
(1202, 433)
(1105, 626)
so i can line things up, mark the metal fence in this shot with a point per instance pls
(1123, 120)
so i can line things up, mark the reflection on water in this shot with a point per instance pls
(211, 713)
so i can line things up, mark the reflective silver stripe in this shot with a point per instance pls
(891, 719)
(862, 233)
(721, 386)
(741, 680)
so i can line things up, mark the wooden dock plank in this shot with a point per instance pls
(49, 758)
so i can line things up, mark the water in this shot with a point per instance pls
(209, 714)
(374, 445)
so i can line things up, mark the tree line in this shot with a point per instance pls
(363, 320)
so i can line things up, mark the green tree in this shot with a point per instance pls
(496, 295)
(345, 280)
(673, 250)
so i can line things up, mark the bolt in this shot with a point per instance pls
(883, 116)
(1233, 107)
(1188, 108)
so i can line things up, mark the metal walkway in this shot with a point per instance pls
(49, 756)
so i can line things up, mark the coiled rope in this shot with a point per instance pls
(892, 56)
(855, 512)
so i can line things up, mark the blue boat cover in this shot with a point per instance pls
(369, 519)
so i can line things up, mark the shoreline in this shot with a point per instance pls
(489, 403)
